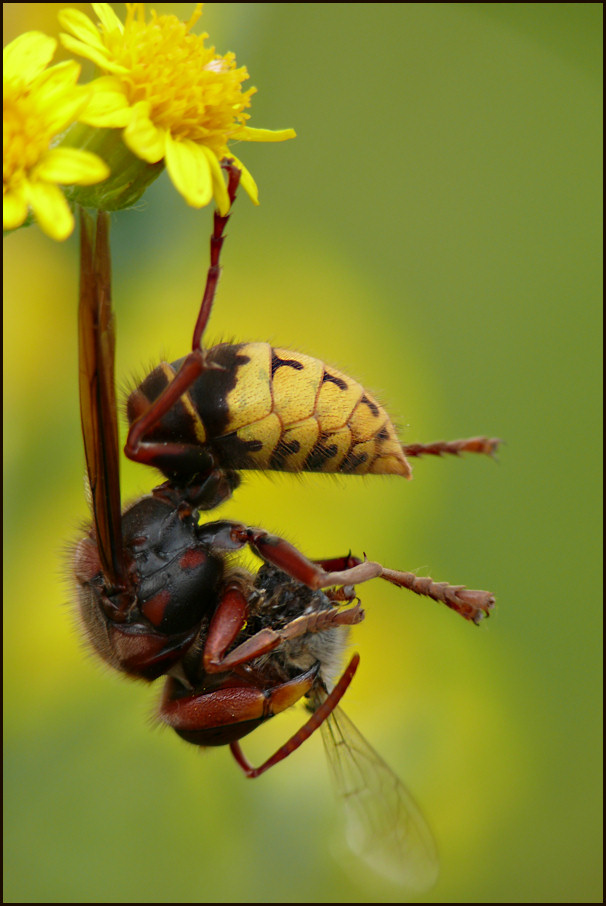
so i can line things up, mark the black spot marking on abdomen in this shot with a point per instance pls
(341, 384)
(277, 362)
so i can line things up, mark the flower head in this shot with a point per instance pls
(39, 104)
(176, 99)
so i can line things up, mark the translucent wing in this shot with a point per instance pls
(385, 827)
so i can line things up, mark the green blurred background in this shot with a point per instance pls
(434, 230)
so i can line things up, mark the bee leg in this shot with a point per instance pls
(285, 556)
(230, 617)
(228, 620)
(486, 445)
(470, 604)
(220, 716)
(339, 563)
(147, 452)
(344, 592)
(316, 719)
(216, 244)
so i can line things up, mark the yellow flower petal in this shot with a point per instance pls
(91, 53)
(51, 210)
(55, 80)
(142, 137)
(27, 56)
(218, 180)
(249, 134)
(107, 17)
(81, 27)
(107, 83)
(107, 108)
(72, 166)
(58, 99)
(39, 104)
(65, 110)
(14, 210)
(189, 170)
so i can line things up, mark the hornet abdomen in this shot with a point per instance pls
(272, 408)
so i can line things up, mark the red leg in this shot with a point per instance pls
(216, 244)
(473, 605)
(231, 711)
(230, 617)
(195, 363)
(470, 604)
(487, 445)
(345, 592)
(316, 719)
(338, 563)
(147, 452)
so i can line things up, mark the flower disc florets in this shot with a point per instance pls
(176, 99)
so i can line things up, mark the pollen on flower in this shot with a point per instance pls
(191, 91)
(176, 99)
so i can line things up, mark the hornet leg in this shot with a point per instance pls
(316, 719)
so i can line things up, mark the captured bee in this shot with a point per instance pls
(384, 826)
(161, 594)
(217, 411)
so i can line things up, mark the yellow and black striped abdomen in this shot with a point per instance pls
(271, 408)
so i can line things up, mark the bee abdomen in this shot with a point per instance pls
(262, 407)
(290, 412)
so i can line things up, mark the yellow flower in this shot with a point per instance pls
(176, 99)
(39, 104)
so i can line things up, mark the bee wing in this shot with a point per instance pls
(385, 827)
(96, 339)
